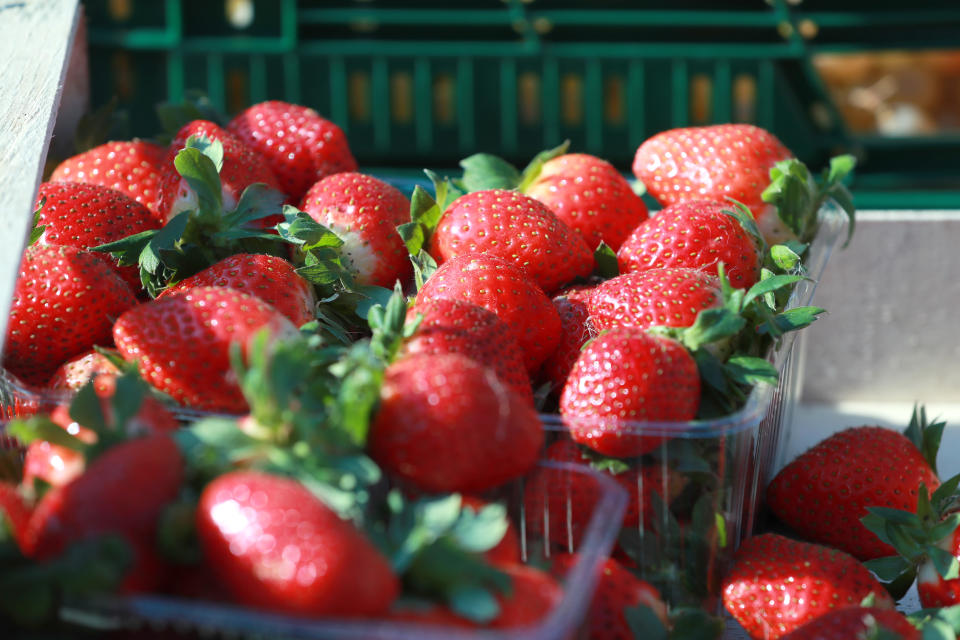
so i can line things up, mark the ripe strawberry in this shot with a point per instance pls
(14, 509)
(65, 301)
(133, 167)
(300, 146)
(669, 297)
(698, 235)
(516, 228)
(181, 343)
(591, 197)
(507, 551)
(123, 491)
(625, 377)
(275, 546)
(576, 327)
(533, 596)
(617, 589)
(79, 370)
(714, 163)
(242, 166)
(777, 585)
(457, 326)
(856, 623)
(502, 288)
(88, 215)
(825, 491)
(447, 423)
(269, 278)
(364, 212)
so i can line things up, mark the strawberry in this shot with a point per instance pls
(576, 327)
(269, 278)
(856, 623)
(65, 301)
(533, 596)
(516, 228)
(591, 197)
(502, 288)
(825, 491)
(133, 167)
(364, 212)
(698, 235)
(273, 545)
(617, 590)
(79, 370)
(242, 166)
(668, 297)
(181, 343)
(457, 326)
(714, 163)
(87, 215)
(777, 585)
(435, 429)
(624, 377)
(15, 510)
(123, 491)
(300, 146)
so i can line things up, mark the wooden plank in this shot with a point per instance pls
(36, 37)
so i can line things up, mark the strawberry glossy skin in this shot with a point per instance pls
(711, 163)
(502, 288)
(617, 589)
(133, 167)
(591, 197)
(670, 297)
(825, 491)
(88, 215)
(447, 423)
(576, 327)
(80, 369)
(777, 585)
(181, 343)
(695, 234)
(65, 301)
(624, 377)
(123, 491)
(457, 326)
(300, 146)
(855, 623)
(275, 546)
(364, 212)
(516, 228)
(269, 278)
(242, 166)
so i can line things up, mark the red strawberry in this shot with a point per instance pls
(713, 163)
(625, 377)
(502, 288)
(269, 278)
(671, 297)
(507, 551)
(123, 491)
(457, 326)
(65, 301)
(576, 327)
(516, 228)
(133, 167)
(826, 490)
(856, 623)
(591, 197)
(15, 510)
(300, 146)
(617, 589)
(181, 343)
(364, 212)
(533, 596)
(242, 166)
(777, 585)
(79, 370)
(275, 546)
(447, 423)
(88, 215)
(697, 235)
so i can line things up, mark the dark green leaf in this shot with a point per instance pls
(424, 266)
(644, 623)
(532, 171)
(127, 250)
(372, 296)
(606, 261)
(85, 410)
(413, 236)
(946, 563)
(483, 171)
(896, 516)
(791, 320)
(748, 370)
(890, 568)
(200, 172)
(165, 239)
(769, 285)
(945, 528)
(712, 325)
(256, 202)
(877, 525)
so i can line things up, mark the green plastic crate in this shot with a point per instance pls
(422, 84)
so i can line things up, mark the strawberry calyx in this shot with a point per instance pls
(37, 229)
(605, 262)
(925, 435)
(425, 214)
(482, 171)
(198, 238)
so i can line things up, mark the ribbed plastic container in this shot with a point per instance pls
(163, 615)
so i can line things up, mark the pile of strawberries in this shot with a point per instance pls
(364, 370)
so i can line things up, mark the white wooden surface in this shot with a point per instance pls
(35, 41)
